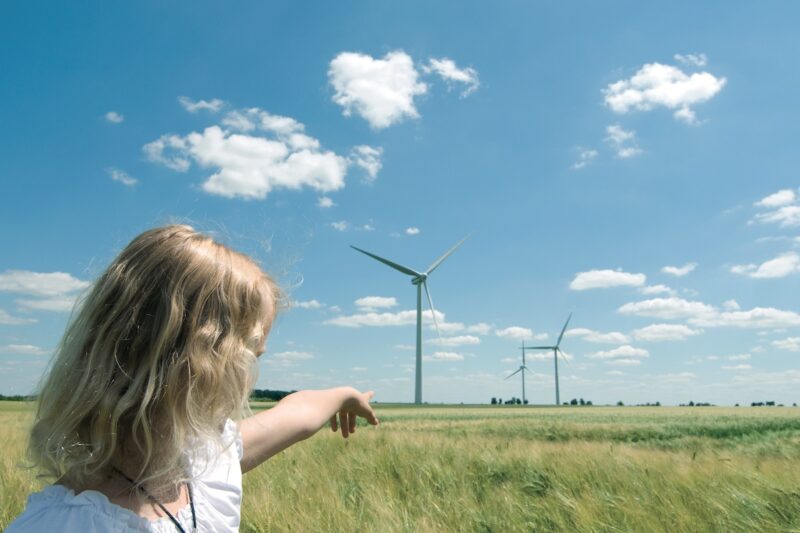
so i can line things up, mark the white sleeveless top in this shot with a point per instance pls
(216, 491)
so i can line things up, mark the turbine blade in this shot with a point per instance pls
(433, 311)
(401, 268)
(515, 373)
(438, 262)
(564, 357)
(540, 347)
(558, 343)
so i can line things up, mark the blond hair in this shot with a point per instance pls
(161, 351)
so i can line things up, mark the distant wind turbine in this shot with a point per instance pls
(556, 351)
(522, 369)
(420, 279)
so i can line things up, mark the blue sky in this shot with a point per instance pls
(585, 148)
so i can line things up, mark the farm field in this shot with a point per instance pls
(514, 468)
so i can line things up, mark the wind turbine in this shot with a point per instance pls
(556, 351)
(522, 369)
(420, 279)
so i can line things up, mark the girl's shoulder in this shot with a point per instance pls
(58, 508)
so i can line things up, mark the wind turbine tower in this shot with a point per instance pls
(556, 351)
(522, 369)
(420, 279)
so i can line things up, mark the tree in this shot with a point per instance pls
(494, 400)
(620, 403)
(581, 401)
(573, 402)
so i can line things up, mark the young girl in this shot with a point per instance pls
(135, 417)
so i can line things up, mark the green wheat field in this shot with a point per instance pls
(512, 468)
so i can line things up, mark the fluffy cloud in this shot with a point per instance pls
(781, 266)
(481, 328)
(657, 289)
(459, 340)
(367, 158)
(612, 337)
(664, 332)
(515, 332)
(40, 283)
(756, 318)
(412, 231)
(23, 349)
(626, 351)
(731, 305)
(375, 302)
(6, 319)
(657, 85)
(288, 359)
(696, 60)
(324, 202)
(585, 156)
(114, 117)
(341, 225)
(254, 152)
(448, 357)
(777, 199)
(622, 141)
(201, 105)
(448, 71)
(381, 91)
(310, 304)
(601, 279)
(401, 318)
(790, 343)
(679, 271)
(668, 308)
(738, 368)
(122, 177)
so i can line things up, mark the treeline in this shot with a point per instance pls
(261, 395)
(516, 401)
(16, 398)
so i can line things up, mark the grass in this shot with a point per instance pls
(510, 468)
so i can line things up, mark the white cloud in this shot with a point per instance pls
(309, 304)
(625, 351)
(615, 373)
(679, 271)
(612, 337)
(114, 117)
(601, 279)
(664, 332)
(791, 344)
(622, 141)
(695, 60)
(738, 367)
(657, 85)
(481, 328)
(448, 357)
(375, 302)
(731, 305)
(288, 359)
(739, 357)
(412, 231)
(515, 332)
(680, 377)
(341, 225)
(367, 158)
(756, 318)
(6, 319)
(623, 362)
(459, 340)
(657, 289)
(359, 369)
(207, 105)
(447, 69)
(585, 156)
(324, 202)
(777, 199)
(40, 283)
(122, 177)
(781, 266)
(255, 153)
(668, 308)
(381, 91)
(55, 303)
(401, 318)
(23, 349)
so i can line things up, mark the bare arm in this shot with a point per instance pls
(297, 417)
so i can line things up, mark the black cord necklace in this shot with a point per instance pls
(155, 501)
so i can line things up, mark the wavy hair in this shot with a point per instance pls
(160, 352)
